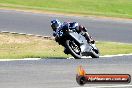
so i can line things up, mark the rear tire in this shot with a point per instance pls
(95, 53)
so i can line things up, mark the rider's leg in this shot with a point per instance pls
(88, 38)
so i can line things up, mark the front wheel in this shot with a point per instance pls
(73, 48)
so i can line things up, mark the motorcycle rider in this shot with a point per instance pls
(56, 24)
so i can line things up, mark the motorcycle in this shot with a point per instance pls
(76, 44)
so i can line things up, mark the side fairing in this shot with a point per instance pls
(85, 47)
(78, 37)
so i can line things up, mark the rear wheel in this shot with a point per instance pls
(95, 53)
(73, 48)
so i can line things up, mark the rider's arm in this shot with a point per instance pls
(54, 33)
(84, 29)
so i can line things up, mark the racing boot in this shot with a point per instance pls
(92, 41)
(66, 51)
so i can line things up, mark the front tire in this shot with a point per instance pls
(70, 46)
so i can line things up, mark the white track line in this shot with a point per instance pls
(114, 86)
(107, 56)
(116, 55)
(20, 59)
(47, 37)
(67, 58)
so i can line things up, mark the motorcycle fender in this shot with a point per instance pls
(85, 48)
(94, 46)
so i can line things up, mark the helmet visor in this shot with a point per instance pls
(54, 26)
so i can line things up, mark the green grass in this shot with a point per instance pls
(113, 48)
(23, 46)
(114, 8)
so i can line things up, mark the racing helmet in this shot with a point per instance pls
(55, 24)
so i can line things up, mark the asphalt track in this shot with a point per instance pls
(60, 73)
(100, 29)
